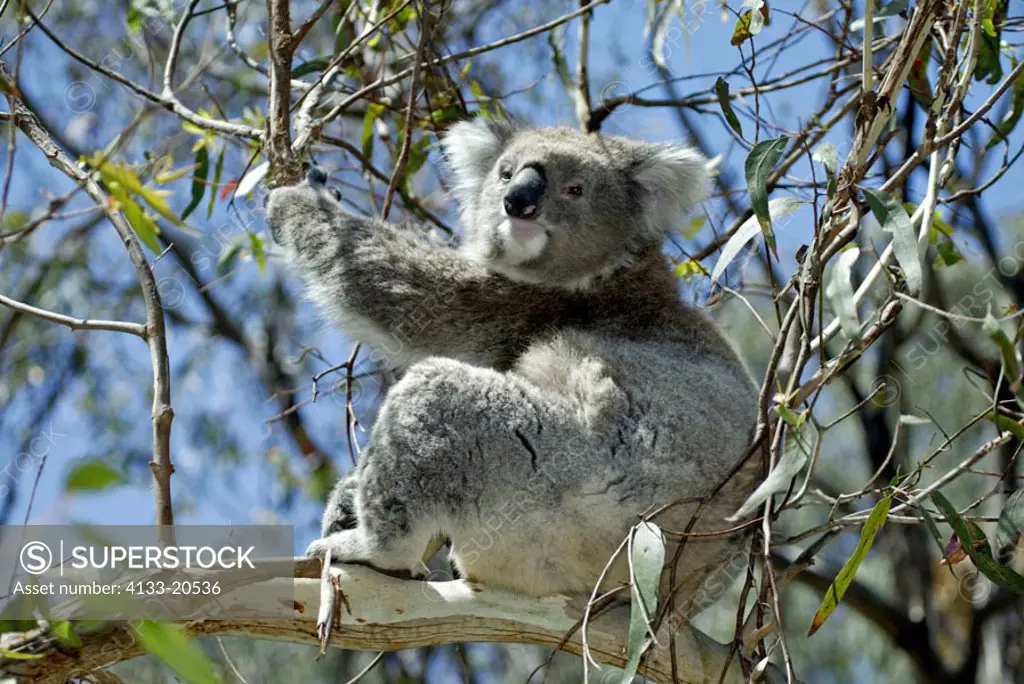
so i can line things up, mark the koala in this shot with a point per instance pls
(554, 389)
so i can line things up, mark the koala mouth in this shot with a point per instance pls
(522, 240)
(524, 230)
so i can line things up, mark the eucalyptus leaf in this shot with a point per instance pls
(252, 179)
(725, 102)
(202, 170)
(676, 8)
(895, 221)
(840, 292)
(827, 155)
(1011, 522)
(218, 169)
(777, 209)
(169, 643)
(647, 559)
(759, 165)
(980, 554)
(373, 110)
(92, 475)
(778, 480)
(845, 577)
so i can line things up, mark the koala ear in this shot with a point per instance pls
(470, 149)
(674, 179)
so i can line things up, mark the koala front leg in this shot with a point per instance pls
(452, 444)
(389, 287)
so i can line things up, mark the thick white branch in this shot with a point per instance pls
(391, 614)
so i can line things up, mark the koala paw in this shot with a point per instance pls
(316, 176)
(317, 548)
(350, 546)
(318, 179)
(309, 207)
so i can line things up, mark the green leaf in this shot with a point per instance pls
(693, 227)
(947, 253)
(929, 522)
(647, 559)
(895, 221)
(258, 253)
(1007, 349)
(144, 226)
(115, 173)
(778, 480)
(168, 642)
(977, 548)
(988, 65)
(917, 79)
(92, 475)
(227, 259)
(725, 102)
(134, 19)
(840, 292)
(313, 65)
(417, 158)
(689, 269)
(1006, 424)
(1012, 117)
(17, 655)
(845, 577)
(343, 33)
(443, 115)
(745, 29)
(777, 209)
(216, 181)
(1011, 520)
(791, 417)
(760, 163)
(483, 101)
(556, 41)
(827, 155)
(373, 110)
(65, 633)
(202, 165)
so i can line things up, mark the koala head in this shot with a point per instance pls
(560, 207)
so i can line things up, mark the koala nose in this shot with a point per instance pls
(524, 192)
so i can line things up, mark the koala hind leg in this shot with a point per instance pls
(340, 513)
(453, 443)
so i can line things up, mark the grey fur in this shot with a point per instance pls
(554, 387)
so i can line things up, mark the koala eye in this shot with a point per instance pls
(336, 194)
(505, 173)
(574, 190)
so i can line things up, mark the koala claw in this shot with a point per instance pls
(315, 176)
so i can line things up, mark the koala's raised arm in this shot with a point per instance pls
(389, 286)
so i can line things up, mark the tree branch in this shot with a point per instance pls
(172, 103)
(391, 614)
(162, 414)
(285, 168)
(75, 323)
